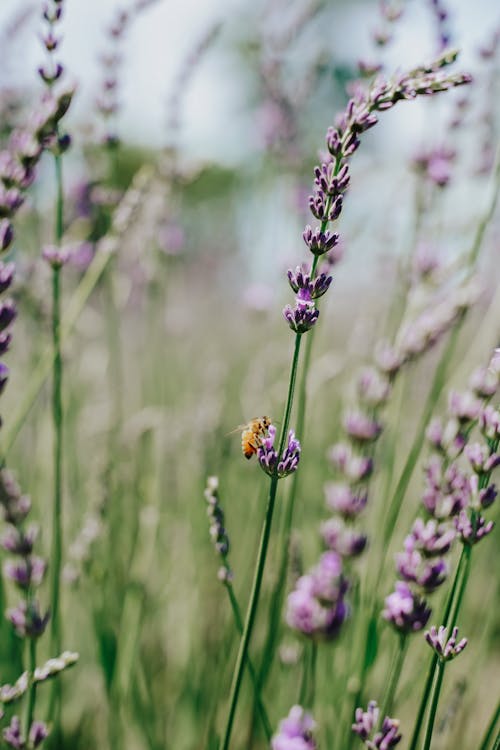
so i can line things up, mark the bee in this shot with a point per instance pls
(252, 434)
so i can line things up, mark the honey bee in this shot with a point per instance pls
(252, 434)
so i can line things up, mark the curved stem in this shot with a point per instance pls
(436, 690)
(261, 558)
(423, 703)
(253, 676)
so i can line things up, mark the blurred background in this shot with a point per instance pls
(196, 165)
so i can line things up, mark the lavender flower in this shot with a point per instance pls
(320, 242)
(411, 566)
(431, 538)
(365, 726)
(316, 606)
(447, 490)
(300, 279)
(218, 533)
(269, 459)
(445, 648)
(481, 458)
(344, 500)
(295, 732)
(361, 427)
(473, 530)
(304, 315)
(406, 611)
(341, 538)
(373, 387)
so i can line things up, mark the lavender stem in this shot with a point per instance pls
(31, 697)
(394, 675)
(488, 736)
(433, 705)
(261, 559)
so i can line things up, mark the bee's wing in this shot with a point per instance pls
(240, 428)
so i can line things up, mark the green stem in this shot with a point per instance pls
(261, 559)
(488, 735)
(31, 697)
(394, 675)
(57, 414)
(423, 703)
(258, 699)
(436, 690)
(57, 417)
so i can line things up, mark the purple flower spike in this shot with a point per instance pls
(354, 467)
(295, 732)
(365, 724)
(300, 279)
(268, 457)
(361, 428)
(472, 532)
(341, 498)
(28, 625)
(13, 735)
(484, 382)
(304, 315)
(56, 256)
(412, 567)
(38, 733)
(445, 648)
(316, 607)
(489, 423)
(480, 458)
(407, 612)
(465, 406)
(342, 538)
(432, 538)
(373, 387)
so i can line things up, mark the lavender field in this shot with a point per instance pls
(250, 375)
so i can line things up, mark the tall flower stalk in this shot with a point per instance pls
(331, 182)
(56, 256)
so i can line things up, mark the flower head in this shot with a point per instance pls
(366, 723)
(446, 648)
(406, 611)
(295, 732)
(268, 457)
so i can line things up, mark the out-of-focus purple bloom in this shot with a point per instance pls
(484, 382)
(171, 238)
(354, 467)
(361, 428)
(366, 724)
(344, 500)
(489, 422)
(28, 623)
(26, 572)
(449, 440)
(316, 606)
(466, 407)
(218, 533)
(304, 315)
(436, 165)
(38, 733)
(411, 566)
(341, 538)
(5, 339)
(268, 457)
(446, 648)
(470, 530)
(481, 459)
(17, 542)
(295, 732)
(300, 279)
(56, 256)
(13, 735)
(431, 538)
(406, 611)
(425, 261)
(10, 200)
(389, 360)
(447, 490)
(373, 387)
